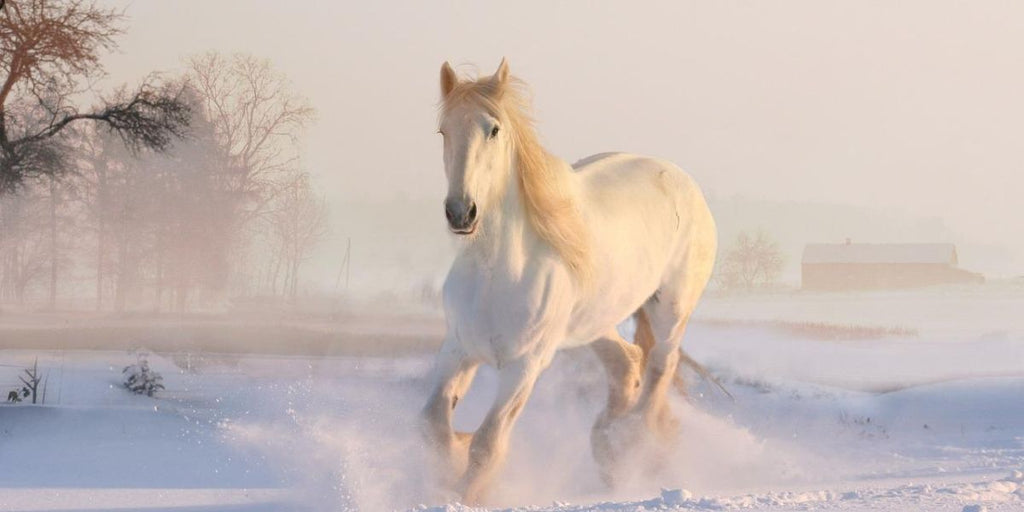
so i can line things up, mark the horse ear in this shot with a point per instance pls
(448, 79)
(501, 75)
(495, 86)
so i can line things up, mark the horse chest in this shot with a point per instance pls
(498, 319)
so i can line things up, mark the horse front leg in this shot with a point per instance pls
(454, 373)
(489, 447)
(623, 364)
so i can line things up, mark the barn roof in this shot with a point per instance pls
(880, 253)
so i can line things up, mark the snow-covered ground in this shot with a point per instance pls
(931, 419)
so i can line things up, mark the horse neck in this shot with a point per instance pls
(507, 238)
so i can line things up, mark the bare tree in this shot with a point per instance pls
(256, 118)
(129, 207)
(49, 51)
(60, 192)
(23, 241)
(31, 381)
(194, 216)
(298, 221)
(161, 220)
(96, 162)
(753, 261)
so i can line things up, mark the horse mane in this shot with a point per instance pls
(548, 194)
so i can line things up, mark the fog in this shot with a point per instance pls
(909, 112)
(249, 320)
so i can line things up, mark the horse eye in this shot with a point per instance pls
(494, 132)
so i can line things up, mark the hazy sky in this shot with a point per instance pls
(914, 107)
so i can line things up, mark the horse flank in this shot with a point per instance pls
(547, 185)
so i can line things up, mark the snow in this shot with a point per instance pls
(925, 421)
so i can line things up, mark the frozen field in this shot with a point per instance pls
(929, 417)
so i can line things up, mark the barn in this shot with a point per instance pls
(850, 266)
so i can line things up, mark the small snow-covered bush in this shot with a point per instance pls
(139, 379)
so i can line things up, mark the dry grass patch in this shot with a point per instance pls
(818, 330)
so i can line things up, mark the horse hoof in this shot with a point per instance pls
(612, 442)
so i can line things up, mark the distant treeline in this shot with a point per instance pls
(171, 195)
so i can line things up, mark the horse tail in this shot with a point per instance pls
(680, 383)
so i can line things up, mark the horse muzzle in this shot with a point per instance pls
(461, 215)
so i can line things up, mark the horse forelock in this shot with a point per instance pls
(547, 189)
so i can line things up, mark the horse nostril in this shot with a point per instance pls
(472, 213)
(448, 213)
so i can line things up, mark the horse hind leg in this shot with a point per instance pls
(640, 375)
(643, 337)
(623, 363)
(662, 323)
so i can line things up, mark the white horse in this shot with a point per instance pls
(556, 256)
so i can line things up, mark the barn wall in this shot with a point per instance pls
(880, 276)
